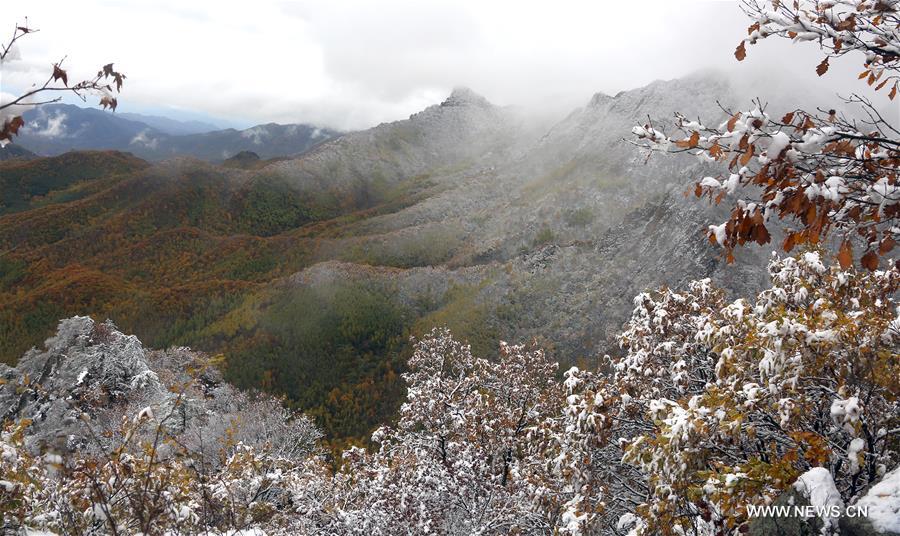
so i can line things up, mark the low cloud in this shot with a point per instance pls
(256, 134)
(49, 126)
(351, 64)
(145, 139)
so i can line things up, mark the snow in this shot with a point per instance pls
(845, 413)
(571, 518)
(857, 446)
(818, 486)
(883, 503)
(242, 532)
(631, 523)
(719, 232)
(814, 261)
(146, 413)
(731, 184)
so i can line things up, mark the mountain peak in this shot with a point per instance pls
(463, 96)
(599, 98)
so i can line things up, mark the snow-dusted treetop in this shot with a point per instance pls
(820, 170)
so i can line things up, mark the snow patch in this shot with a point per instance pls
(818, 486)
(883, 503)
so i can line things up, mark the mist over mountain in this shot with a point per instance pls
(466, 214)
(54, 129)
(582, 293)
(308, 264)
(171, 126)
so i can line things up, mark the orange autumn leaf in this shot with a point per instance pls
(845, 255)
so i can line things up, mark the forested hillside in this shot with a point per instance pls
(310, 275)
(674, 311)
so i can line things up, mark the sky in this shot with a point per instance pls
(351, 64)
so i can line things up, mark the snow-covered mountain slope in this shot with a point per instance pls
(466, 214)
(579, 219)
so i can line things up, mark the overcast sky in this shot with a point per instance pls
(353, 64)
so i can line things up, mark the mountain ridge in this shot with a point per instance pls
(57, 128)
(311, 273)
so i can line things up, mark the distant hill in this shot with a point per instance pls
(170, 126)
(250, 160)
(268, 141)
(57, 128)
(26, 184)
(14, 151)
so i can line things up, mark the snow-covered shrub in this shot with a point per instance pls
(712, 406)
(480, 447)
(723, 405)
(102, 436)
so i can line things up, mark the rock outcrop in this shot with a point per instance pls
(91, 379)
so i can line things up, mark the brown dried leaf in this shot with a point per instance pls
(789, 242)
(745, 158)
(870, 261)
(845, 255)
(694, 139)
(810, 214)
(59, 74)
(11, 127)
(108, 101)
(761, 234)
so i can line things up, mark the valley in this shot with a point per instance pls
(310, 274)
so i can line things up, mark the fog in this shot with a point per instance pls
(353, 64)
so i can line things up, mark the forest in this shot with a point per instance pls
(672, 308)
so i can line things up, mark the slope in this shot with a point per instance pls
(310, 274)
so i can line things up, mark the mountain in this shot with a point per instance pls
(27, 184)
(13, 151)
(167, 125)
(268, 141)
(56, 128)
(311, 273)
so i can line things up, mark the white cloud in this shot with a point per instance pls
(354, 63)
(256, 134)
(49, 126)
(143, 138)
